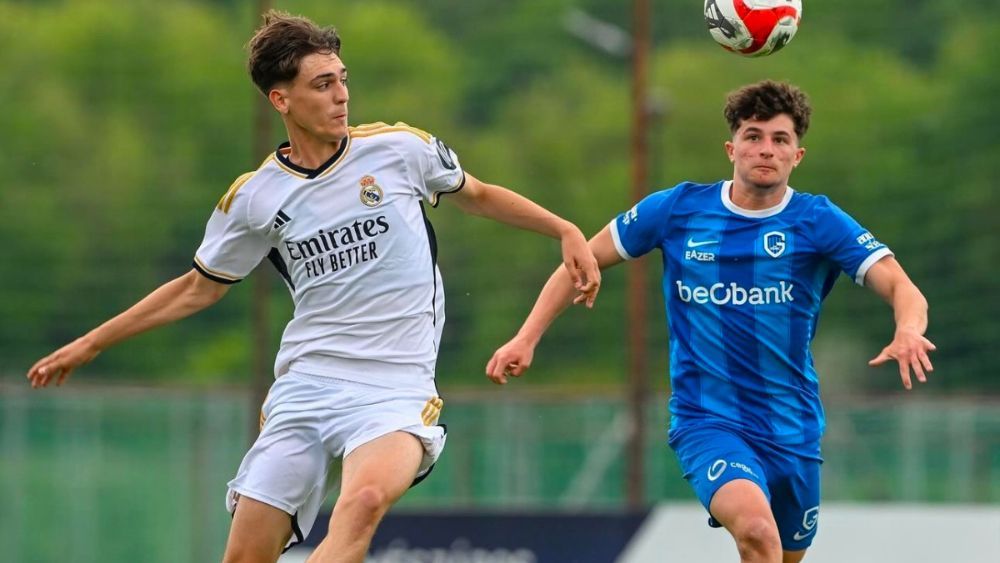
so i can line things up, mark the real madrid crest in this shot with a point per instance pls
(371, 194)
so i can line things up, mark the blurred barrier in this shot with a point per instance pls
(507, 537)
(127, 474)
(679, 532)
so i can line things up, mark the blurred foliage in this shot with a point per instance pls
(126, 121)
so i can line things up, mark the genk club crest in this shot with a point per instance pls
(774, 243)
(371, 194)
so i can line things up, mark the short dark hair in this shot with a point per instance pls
(280, 44)
(766, 99)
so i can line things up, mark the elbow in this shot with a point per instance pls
(202, 292)
(213, 296)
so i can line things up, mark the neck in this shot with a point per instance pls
(756, 198)
(309, 151)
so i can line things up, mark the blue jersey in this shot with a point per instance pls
(743, 290)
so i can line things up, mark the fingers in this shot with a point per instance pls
(918, 370)
(925, 360)
(499, 376)
(588, 286)
(499, 370)
(882, 358)
(574, 274)
(508, 361)
(904, 374)
(495, 375)
(42, 372)
(44, 375)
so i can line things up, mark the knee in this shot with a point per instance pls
(757, 538)
(369, 499)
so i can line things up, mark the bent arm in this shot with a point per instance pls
(172, 301)
(503, 205)
(515, 357)
(887, 279)
(909, 347)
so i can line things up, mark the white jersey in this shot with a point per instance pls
(352, 243)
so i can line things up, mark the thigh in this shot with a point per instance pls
(388, 463)
(259, 532)
(740, 503)
(712, 457)
(795, 499)
(381, 412)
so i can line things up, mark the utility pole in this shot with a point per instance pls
(636, 273)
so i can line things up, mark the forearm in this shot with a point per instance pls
(503, 205)
(555, 297)
(172, 301)
(909, 308)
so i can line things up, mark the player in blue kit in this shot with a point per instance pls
(746, 266)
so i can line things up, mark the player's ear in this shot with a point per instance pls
(730, 151)
(279, 100)
(800, 153)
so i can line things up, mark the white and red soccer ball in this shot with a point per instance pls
(754, 28)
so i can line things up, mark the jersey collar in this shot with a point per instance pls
(281, 155)
(754, 213)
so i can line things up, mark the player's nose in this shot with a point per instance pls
(767, 148)
(341, 95)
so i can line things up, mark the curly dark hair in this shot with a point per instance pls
(765, 100)
(280, 44)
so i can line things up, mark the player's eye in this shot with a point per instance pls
(322, 86)
(344, 81)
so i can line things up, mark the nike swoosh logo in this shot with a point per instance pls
(693, 244)
(800, 537)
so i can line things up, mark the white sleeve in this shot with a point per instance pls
(231, 248)
(439, 169)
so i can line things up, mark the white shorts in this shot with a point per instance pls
(310, 420)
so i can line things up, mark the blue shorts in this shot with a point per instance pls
(712, 456)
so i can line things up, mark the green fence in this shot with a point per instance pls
(123, 474)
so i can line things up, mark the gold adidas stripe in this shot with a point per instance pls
(373, 125)
(379, 127)
(227, 200)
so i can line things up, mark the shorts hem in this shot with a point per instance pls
(260, 497)
(358, 442)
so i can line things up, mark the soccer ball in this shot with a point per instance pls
(754, 28)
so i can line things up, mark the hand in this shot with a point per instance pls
(910, 349)
(61, 363)
(510, 360)
(582, 266)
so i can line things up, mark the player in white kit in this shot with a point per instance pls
(339, 211)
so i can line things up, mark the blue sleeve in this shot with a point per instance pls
(642, 228)
(845, 242)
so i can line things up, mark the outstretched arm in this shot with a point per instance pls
(501, 204)
(514, 357)
(909, 347)
(172, 301)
